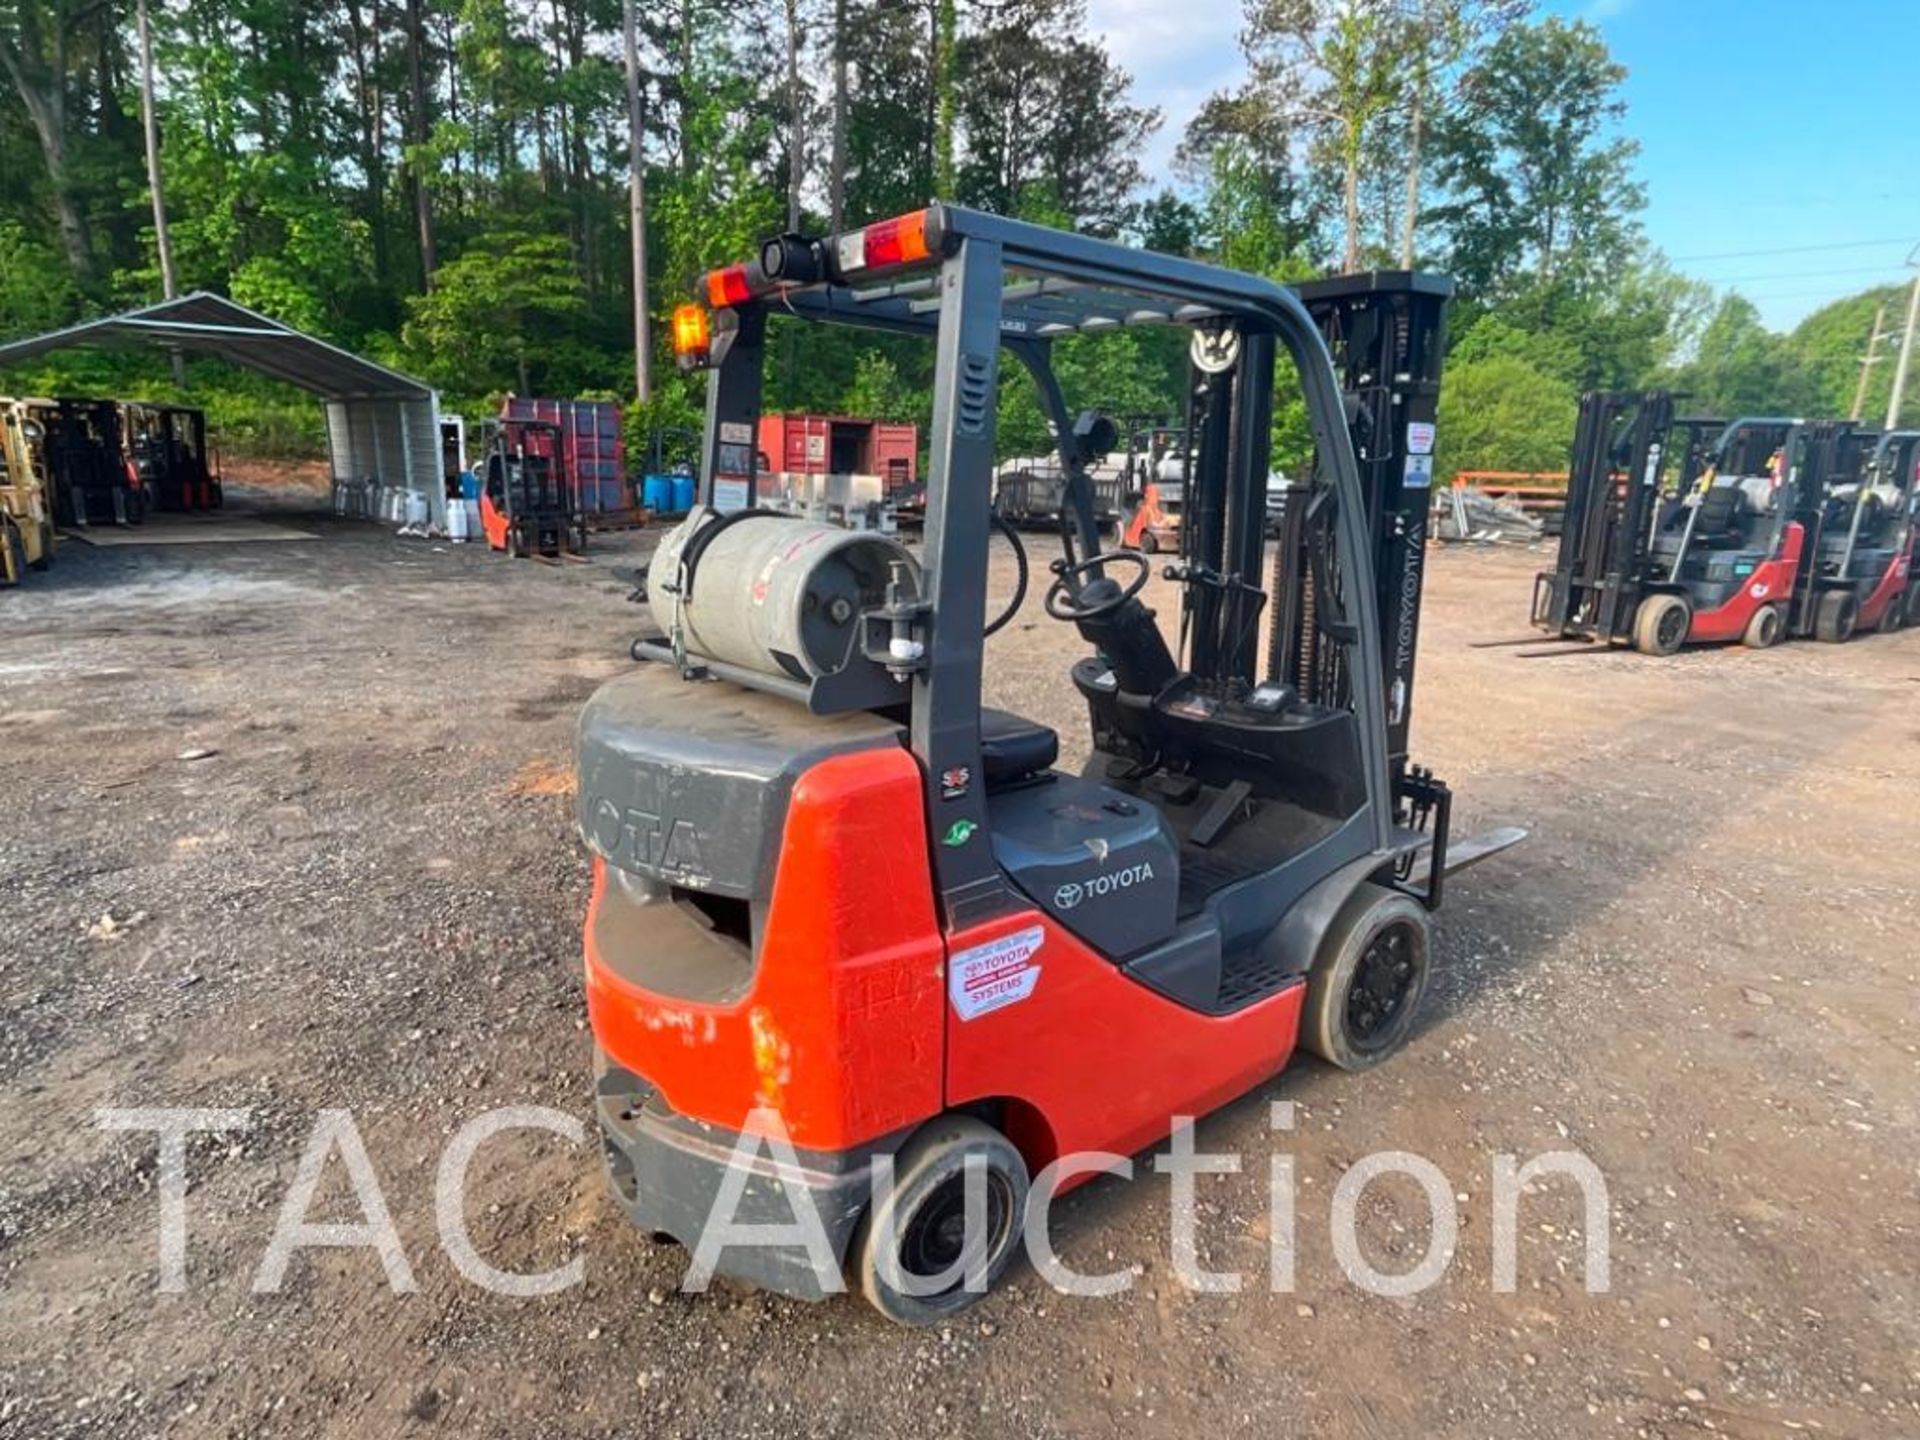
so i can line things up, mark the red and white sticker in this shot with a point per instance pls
(995, 975)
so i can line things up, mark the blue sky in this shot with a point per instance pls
(1765, 125)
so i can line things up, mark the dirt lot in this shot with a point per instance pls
(365, 893)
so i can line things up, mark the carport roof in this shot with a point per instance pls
(222, 327)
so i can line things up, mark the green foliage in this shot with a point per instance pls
(1500, 412)
(36, 289)
(1830, 344)
(508, 306)
(1541, 186)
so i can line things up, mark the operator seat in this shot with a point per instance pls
(1013, 748)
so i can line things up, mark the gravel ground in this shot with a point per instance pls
(288, 830)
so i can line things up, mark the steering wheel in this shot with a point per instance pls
(1063, 591)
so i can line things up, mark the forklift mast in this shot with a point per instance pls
(1620, 445)
(1386, 334)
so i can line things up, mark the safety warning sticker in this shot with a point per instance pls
(992, 976)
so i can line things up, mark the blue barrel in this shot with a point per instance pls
(469, 485)
(656, 493)
(682, 494)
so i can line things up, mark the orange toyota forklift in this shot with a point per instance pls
(838, 899)
(530, 504)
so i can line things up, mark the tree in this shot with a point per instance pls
(1440, 35)
(1540, 184)
(37, 39)
(1337, 67)
(1043, 112)
(506, 306)
(1499, 412)
(1743, 368)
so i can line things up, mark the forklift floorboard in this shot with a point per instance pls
(1274, 831)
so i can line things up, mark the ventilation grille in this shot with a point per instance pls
(976, 393)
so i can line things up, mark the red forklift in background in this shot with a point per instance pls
(530, 503)
(169, 458)
(1859, 574)
(839, 901)
(1714, 557)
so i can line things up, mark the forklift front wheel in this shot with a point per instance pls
(1661, 624)
(916, 1255)
(1366, 986)
(1833, 622)
(1765, 628)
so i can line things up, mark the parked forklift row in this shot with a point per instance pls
(1690, 531)
(71, 463)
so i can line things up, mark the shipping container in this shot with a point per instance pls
(595, 446)
(841, 445)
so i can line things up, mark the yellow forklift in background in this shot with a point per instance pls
(26, 523)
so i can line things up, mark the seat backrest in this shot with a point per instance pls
(1718, 507)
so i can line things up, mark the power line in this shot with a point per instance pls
(1803, 275)
(1790, 250)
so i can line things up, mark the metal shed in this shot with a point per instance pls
(381, 425)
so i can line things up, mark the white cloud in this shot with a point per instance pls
(1179, 52)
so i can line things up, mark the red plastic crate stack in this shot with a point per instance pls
(595, 444)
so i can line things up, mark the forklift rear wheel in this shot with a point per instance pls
(919, 1233)
(46, 546)
(1895, 616)
(1149, 543)
(1765, 628)
(1365, 988)
(1661, 624)
(16, 565)
(1839, 612)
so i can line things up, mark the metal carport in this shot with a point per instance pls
(381, 425)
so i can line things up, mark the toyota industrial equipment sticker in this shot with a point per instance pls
(992, 976)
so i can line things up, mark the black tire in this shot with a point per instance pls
(1836, 617)
(1766, 627)
(46, 546)
(920, 1229)
(1367, 982)
(1661, 624)
(15, 568)
(1894, 618)
(1149, 543)
(1913, 602)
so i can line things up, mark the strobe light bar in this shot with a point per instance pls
(790, 261)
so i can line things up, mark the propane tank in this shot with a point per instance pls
(773, 593)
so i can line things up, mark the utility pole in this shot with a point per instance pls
(637, 209)
(169, 281)
(796, 131)
(1906, 346)
(1866, 365)
(837, 162)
